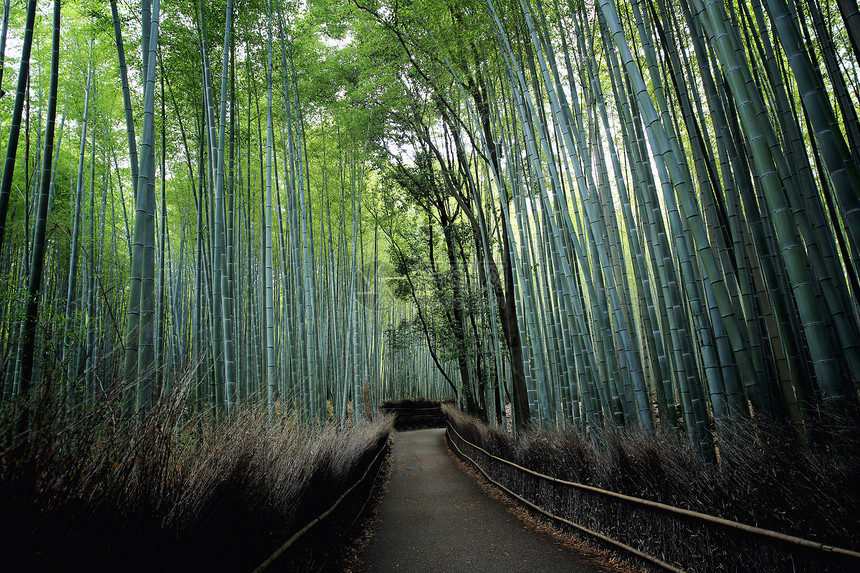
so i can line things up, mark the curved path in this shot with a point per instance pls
(435, 518)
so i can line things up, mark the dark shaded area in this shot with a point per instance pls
(764, 479)
(88, 494)
(435, 518)
(415, 413)
(320, 548)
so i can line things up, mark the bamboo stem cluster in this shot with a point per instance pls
(640, 213)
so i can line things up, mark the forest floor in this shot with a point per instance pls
(435, 518)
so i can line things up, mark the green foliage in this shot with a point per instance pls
(591, 199)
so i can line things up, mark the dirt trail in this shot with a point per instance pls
(435, 518)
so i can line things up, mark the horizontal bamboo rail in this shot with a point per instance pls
(295, 537)
(593, 533)
(791, 539)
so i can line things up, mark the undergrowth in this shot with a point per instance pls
(173, 490)
(764, 478)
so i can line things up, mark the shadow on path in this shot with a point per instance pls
(435, 518)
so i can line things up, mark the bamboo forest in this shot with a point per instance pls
(244, 244)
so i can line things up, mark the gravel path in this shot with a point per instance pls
(435, 518)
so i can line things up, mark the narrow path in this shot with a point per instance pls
(435, 518)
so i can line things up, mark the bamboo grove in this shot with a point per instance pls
(674, 186)
(176, 250)
(571, 213)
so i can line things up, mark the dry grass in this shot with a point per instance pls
(174, 491)
(765, 479)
